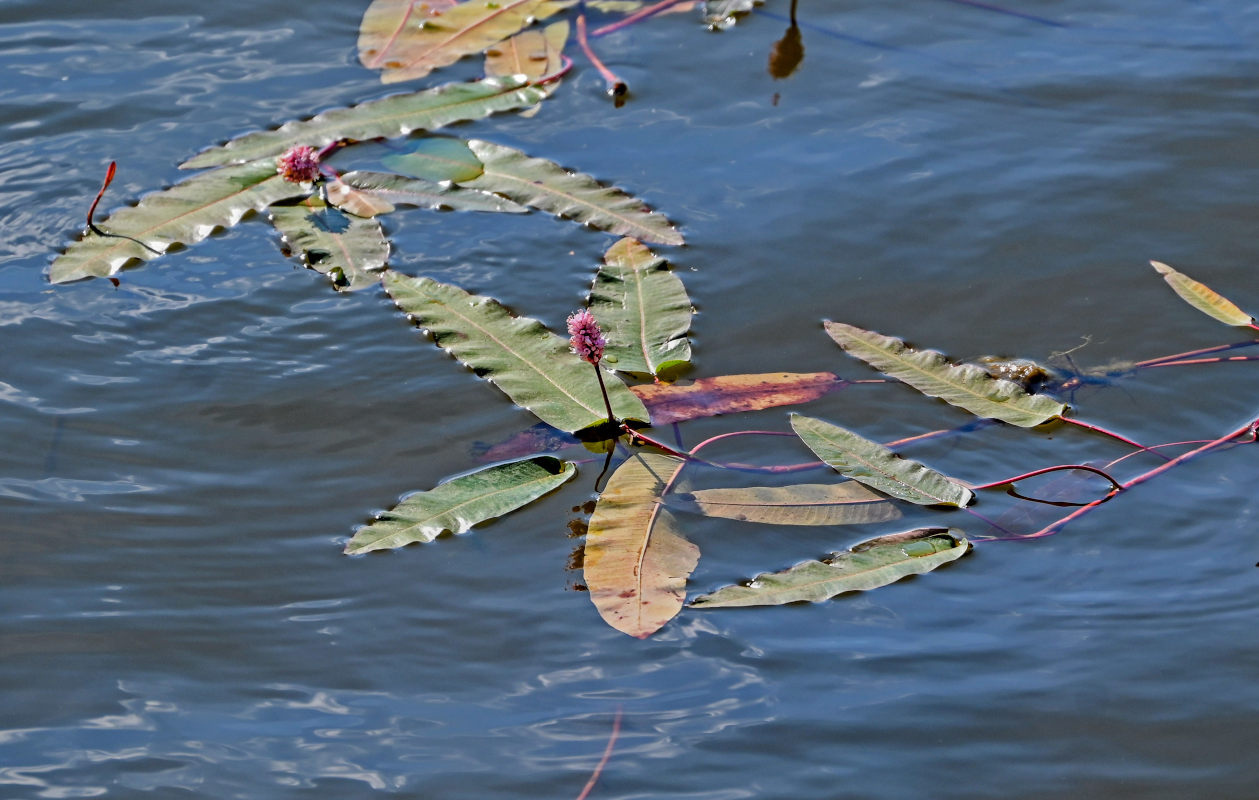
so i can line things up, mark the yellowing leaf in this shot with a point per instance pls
(636, 563)
(1203, 298)
(730, 394)
(847, 503)
(532, 53)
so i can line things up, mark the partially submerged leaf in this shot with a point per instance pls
(721, 14)
(404, 191)
(353, 200)
(1203, 297)
(963, 385)
(730, 394)
(866, 566)
(548, 186)
(533, 53)
(462, 502)
(185, 213)
(878, 467)
(636, 563)
(350, 250)
(405, 48)
(643, 308)
(532, 365)
(847, 503)
(437, 158)
(397, 115)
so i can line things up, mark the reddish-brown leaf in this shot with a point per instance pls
(730, 394)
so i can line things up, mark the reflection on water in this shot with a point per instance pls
(186, 454)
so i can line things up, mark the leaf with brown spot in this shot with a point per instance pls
(730, 394)
(532, 53)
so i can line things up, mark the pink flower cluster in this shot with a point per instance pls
(587, 339)
(299, 165)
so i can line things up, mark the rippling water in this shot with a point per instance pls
(184, 455)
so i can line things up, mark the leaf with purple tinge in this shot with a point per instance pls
(730, 394)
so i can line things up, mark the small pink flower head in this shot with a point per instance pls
(587, 340)
(299, 165)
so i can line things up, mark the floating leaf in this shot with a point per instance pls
(878, 467)
(866, 566)
(437, 158)
(721, 14)
(355, 201)
(388, 117)
(385, 21)
(636, 563)
(729, 394)
(404, 191)
(963, 385)
(462, 502)
(532, 53)
(185, 213)
(548, 186)
(350, 250)
(644, 309)
(615, 6)
(532, 365)
(847, 503)
(1203, 298)
(391, 39)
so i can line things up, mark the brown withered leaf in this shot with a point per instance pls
(729, 394)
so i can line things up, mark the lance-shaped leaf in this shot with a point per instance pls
(404, 191)
(1203, 298)
(385, 21)
(462, 502)
(532, 53)
(350, 250)
(548, 186)
(847, 503)
(730, 394)
(353, 200)
(636, 563)
(866, 566)
(437, 158)
(643, 308)
(388, 117)
(963, 385)
(532, 365)
(878, 467)
(185, 213)
(405, 48)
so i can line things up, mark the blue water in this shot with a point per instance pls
(185, 455)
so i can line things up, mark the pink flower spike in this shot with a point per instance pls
(299, 165)
(587, 340)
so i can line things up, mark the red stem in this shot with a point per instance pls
(109, 178)
(1150, 362)
(637, 16)
(1046, 470)
(607, 754)
(1111, 434)
(616, 86)
(1186, 362)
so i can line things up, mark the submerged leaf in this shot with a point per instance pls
(353, 200)
(462, 502)
(847, 503)
(404, 191)
(532, 53)
(1203, 298)
(866, 566)
(405, 48)
(878, 467)
(548, 186)
(636, 563)
(963, 385)
(644, 309)
(437, 158)
(532, 365)
(352, 251)
(397, 115)
(730, 394)
(185, 213)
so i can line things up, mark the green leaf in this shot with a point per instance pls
(731, 394)
(866, 566)
(847, 503)
(548, 186)
(186, 213)
(353, 200)
(533, 366)
(532, 53)
(404, 191)
(643, 308)
(388, 117)
(405, 48)
(878, 467)
(350, 250)
(635, 562)
(963, 385)
(437, 158)
(1203, 298)
(462, 502)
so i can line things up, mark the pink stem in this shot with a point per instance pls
(566, 64)
(1111, 434)
(637, 16)
(603, 762)
(1149, 362)
(616, 86)
(1188, 361)
(1046, 470)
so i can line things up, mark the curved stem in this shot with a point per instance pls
(607, 754)
(1111, 434)
(616, 86)
(566, 64)
(1114, 483)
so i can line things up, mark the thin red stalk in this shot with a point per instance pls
(1186, 362)
(603, 762)
(616, 86)
(109, 178)
(566, 64)
(637, 16)
(1045, 470)
(1111, 434)
(721, 436)
(1156, 447)
(1149, 362)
